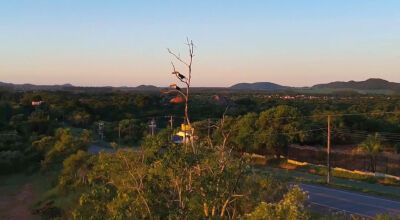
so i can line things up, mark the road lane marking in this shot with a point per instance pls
(342, 210)
(361, 195)
(362, 204)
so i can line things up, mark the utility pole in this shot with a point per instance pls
(119, 134)
(152, 126)
(130, 128)
(171, 122)
(100, 130)
(328, 150)
(208, 131)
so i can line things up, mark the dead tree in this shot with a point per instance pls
(184, 78)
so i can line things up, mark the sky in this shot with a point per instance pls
(123, 43)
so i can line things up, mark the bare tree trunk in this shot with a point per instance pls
(187, 81)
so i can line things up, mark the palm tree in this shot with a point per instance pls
(371, 146)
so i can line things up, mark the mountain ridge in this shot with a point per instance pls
(258, 86)
(372, 85)
(369, 84)
(68, 86)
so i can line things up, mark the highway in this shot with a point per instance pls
(350, 202)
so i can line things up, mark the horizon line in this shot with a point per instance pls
(132, 86)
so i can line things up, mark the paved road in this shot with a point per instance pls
(350, 202)
(95, 149)
(393, 190)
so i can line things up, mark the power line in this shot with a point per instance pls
(356, 135)
(359, 132)
(9, 134)
(299, 132)
(369, 132)
(286, 117)
(336, 115)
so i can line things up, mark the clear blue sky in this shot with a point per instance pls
(296, 43)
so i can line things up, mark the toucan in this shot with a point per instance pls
(180, 76)
(175, 87)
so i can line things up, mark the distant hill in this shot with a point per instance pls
(146, 88)
(266, 86)
(369, 84)
(70, 87)
(32, 87)
(372, 86)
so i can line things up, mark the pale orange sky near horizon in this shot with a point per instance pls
(208, 71)
(99, 43)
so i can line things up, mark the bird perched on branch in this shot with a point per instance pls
(175, 87)
(179, 75)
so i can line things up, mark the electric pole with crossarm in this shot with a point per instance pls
(328, 150)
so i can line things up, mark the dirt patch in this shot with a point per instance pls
(15, 205)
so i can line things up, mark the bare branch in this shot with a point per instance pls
(178, 57)
(173, 66)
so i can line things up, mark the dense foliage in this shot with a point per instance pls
(171, 184)
(152, 177)
(263, 123)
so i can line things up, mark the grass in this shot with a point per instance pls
(323, 214)
(65, 201)
(40, 182)
(47, 190)
(322, 171)
(11, 183)
(281, 174)
(44, 187)
(20, 190)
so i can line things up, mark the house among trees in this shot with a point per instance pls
(36, 103)
(184, 135)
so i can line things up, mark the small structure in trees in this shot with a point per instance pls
(36, 103)
(184, 135)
